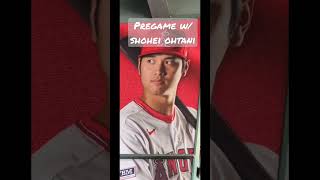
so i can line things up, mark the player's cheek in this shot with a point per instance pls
(146, 78)
(144, 71)
(178, 76)
(145, 83)
(148, 74)
(171, 69)
(174, 71)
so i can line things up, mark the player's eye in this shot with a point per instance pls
(169, 61)
(150, 61)
(172, 61)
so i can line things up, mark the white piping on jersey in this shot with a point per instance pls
(93, 134)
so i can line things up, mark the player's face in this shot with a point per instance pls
(219, 33)
(101, 31)
(220, 37)
(160, 73)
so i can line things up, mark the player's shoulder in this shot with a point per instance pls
(69, 147)
(69, 137)
(129, 109)
(84, 171)
(129, 114)
(193, 111)
(268, 159)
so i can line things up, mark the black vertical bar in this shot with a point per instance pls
(205, 87)
(114, 88)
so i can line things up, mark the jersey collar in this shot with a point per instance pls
(154, 113)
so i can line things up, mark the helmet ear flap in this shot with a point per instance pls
(185, 67)
(93, 20)
(242, 23)
(139, 65)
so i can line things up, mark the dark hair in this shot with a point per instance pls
(235, 16)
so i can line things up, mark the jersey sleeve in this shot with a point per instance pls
(193, 112)
(268, 159)
(221, 167)
(67, 149)
(133, 141)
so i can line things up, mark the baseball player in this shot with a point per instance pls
(80, 152)
(152, 124)
(229, 23)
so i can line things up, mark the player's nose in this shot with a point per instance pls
(160, 68)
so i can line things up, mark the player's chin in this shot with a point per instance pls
(158, 90)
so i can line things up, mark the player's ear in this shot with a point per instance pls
(139, 65)
(243, 23)
(186, 67)
(93, 18)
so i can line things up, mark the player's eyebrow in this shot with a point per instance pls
(170, 57)
(149, 56)
(154, 55)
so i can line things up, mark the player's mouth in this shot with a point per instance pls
(157, 81)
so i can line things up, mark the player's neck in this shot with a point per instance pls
(161, 104)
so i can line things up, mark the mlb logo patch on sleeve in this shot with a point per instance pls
(127, 173)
